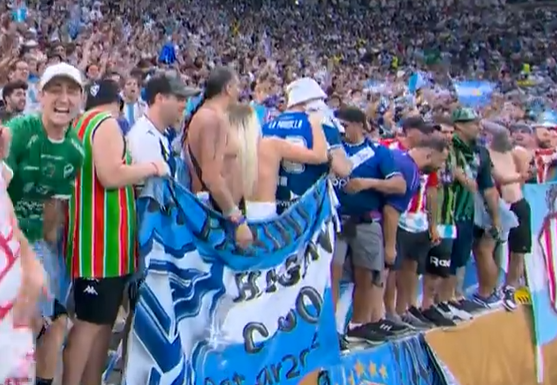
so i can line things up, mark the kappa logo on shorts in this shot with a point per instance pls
(90, 290)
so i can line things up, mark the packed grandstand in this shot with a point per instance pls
(278, 192)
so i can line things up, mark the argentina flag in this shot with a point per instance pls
(209, 313)
(474, 93)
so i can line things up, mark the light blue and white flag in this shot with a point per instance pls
(474, 93)
(417, 80)
(210, 313)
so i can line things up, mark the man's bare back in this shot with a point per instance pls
(272, 151)
(269, 160)
(216, 151)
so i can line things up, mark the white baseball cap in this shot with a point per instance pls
(63, 70)
(303, 90)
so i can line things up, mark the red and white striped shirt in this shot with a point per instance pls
(414, 219)
(544, 159)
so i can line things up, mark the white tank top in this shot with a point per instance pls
(16, 343)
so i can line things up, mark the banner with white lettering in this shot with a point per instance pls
(541, 267)
(212, 314)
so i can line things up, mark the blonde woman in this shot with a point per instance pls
(260, 158)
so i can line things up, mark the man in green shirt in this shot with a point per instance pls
(44, 159)
(472, 174)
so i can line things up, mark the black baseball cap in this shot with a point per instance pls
(103, 92)
(167, 85)
(351, 114)
(418, 123)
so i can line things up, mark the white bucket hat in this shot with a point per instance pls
(303, 90)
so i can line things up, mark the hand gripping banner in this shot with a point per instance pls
(211, 314)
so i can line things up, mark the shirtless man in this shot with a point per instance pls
(510, 172)
(535, 145)
(212, 158)
(271, 152)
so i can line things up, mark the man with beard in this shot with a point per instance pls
(407, 233)
(14, 96)
(211, 157)
(534, 145)
(472, 171)
(510, 171)
(101, 234)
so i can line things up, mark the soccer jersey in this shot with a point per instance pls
(296, 178)
(414, 218)
(101, 226)
(42, 168)
(369, 160)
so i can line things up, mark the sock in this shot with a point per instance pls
(43, 381)
(352, 325)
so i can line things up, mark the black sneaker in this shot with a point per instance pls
(467, 306)
(387, 329)
(434, 315)
(390, 327)
(364, 333)
(343, 343)
(509, 300)
(418, 314)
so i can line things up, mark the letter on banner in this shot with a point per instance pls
(211, 314)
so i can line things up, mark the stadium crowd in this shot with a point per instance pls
(144, 67)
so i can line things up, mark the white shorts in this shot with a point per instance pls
(260, 211)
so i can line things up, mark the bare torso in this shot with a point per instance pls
(268, 169)
(505, 165)
(231, 170)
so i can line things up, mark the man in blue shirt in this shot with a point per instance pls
(304, 95)
(361, 197)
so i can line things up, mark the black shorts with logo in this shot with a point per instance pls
(98, 301)
(520, 238)
(438, 262)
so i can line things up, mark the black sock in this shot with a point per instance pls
(43, 381)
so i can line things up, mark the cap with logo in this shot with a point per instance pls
(60, 70)
(167, 85)
(101, 93)
(463, 115)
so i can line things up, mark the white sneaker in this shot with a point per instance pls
(462, 314)
(453, 313)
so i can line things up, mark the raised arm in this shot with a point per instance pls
(301, 154)
(341, 166)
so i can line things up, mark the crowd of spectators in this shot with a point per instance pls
(343, 44)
